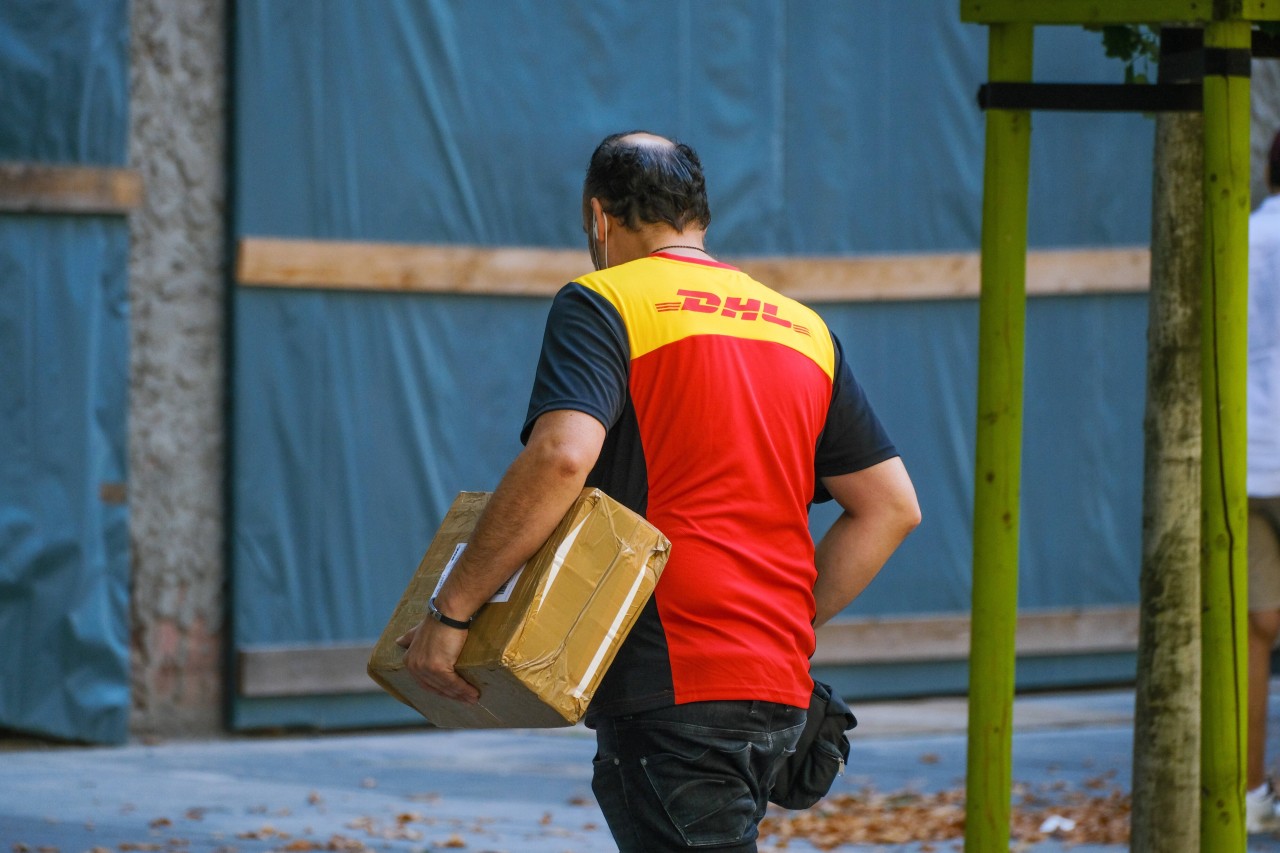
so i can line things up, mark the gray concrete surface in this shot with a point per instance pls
(177, 295)
(511, 791)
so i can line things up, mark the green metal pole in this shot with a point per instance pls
(1224, 508)
(1001, 337)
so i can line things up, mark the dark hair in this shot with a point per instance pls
(1273, 163)
(643, 182)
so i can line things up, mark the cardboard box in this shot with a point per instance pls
(538, 649)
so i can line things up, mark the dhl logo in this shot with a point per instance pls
(702, 302)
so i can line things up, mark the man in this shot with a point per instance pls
(718, 409)
(1263, 485)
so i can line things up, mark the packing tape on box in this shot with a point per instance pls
(611, 634)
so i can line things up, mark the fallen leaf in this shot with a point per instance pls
(264, 833)
(902, 817)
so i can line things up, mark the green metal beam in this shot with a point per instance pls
(1098, 12)
(1224, 307)
(1001, 338)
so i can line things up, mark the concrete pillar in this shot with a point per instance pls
(176, 409)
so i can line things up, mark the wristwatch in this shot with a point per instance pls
(461, 625)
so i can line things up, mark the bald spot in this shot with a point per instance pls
(651, 140)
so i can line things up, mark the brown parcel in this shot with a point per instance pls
(538, 657)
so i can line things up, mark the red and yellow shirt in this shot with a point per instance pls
(724, 402)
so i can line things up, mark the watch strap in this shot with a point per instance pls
(435, 613)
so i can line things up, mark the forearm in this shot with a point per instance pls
(880, 509)
(848, 558)
(531, 499)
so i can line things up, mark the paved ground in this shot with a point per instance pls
(510, 791)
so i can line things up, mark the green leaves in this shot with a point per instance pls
(1138, 46)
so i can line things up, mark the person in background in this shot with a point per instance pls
(1262, 812)
(718, 409)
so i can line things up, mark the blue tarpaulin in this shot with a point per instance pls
(825, 129)
(64, 551)
(64, 540)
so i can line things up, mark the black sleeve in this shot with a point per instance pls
(585, 361)
(853, 437)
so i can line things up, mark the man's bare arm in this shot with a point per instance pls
(880, 509)
(535, 493)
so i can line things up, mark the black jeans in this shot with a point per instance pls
(691, 777)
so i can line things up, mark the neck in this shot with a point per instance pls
(675, 243)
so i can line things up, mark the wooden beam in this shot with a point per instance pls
(51, 188)
(1257, 10)
(409, 267)
(949, 276)
(313, 670)
(305, 670)
(1224, 360)
(1096, 12)
(1079, 631)
(1002, 322)
(508, 271)
(1084, 11)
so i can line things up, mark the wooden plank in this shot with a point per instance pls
(1258, 10)
(1099, 12)
(509, 271)
(1090, 12)
(949, 276)
(304, 670)
(406, 267)
(52, 188)
(113, 493)
(1095, 630)
(313, 670)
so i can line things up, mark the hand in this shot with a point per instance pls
(431, 650)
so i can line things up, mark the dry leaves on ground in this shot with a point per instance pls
(335, 844)
(909, 816)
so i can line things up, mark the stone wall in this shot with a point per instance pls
(176, 411)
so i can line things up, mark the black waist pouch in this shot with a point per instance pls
(820, 754)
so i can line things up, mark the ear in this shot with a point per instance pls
(599, 222)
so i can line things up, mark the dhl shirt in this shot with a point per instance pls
(724, 402)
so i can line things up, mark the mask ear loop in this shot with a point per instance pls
(596, 244)
(606, 244)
